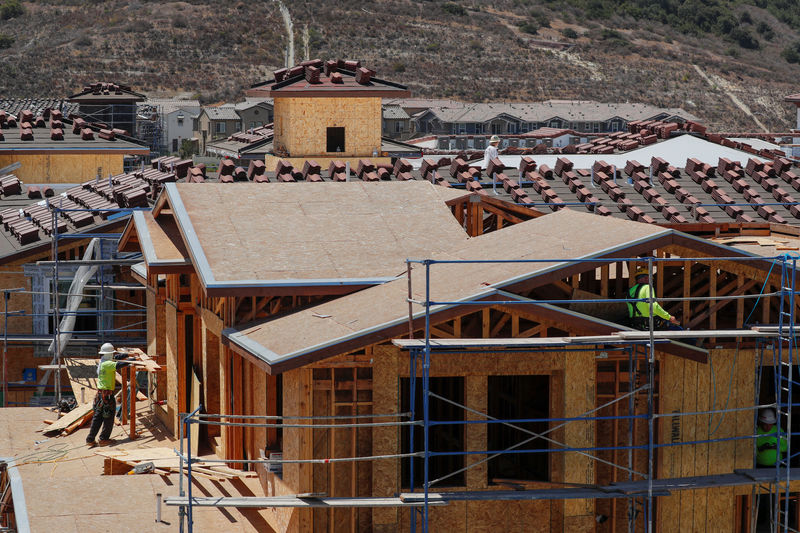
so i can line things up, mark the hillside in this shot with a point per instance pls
(680, 53)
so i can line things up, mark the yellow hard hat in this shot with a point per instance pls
(641, 271)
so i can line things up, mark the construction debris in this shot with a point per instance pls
(163, 461)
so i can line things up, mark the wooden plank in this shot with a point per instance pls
(712, 292)
(124, 400)
(194, 429)
(687, 285)
(132, 387)
(63, 422)
(741, 289)
(604, 270)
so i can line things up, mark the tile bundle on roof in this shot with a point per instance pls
(322, 78)
(79, 206)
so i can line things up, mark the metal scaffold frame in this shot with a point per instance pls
(103, 294)
(785, 335)
(100, 264)
(640, 348)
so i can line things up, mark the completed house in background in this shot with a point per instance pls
(216, 122)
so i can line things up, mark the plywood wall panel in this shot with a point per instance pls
(579, 398)
(387, 366)
(171, 344)
(64, 168)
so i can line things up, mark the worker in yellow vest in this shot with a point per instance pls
(104, 403)
(639, 312)
(769, 446)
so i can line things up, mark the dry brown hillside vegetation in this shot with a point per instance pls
(512, 50)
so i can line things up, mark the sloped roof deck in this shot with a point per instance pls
(376, 313)
(86, 208)
(567, 241)
(70, 143)
(160, 242)
(326, 238)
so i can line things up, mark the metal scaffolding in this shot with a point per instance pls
(641, 487)
(104, 296)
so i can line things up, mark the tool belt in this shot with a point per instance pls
(105, 403)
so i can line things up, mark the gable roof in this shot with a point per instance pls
(282, 343)
(221, 112)
(378, 313)
(274, 238)
(329, 79)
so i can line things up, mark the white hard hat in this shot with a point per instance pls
(107, 348)
(767, 416)
(494, 139)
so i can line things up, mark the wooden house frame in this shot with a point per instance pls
(292, 350)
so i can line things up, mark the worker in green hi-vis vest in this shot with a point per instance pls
(104, 403)
(768, 442)
(770, 448)
(639, 312)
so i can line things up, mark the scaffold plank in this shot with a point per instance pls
(296, 501)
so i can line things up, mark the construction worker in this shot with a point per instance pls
(491, 151)
(639, 312)
(768, 441)
(104, 403)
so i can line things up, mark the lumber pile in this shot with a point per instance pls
(70, 422)
(165, 462)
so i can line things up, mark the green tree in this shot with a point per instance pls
(187, 149)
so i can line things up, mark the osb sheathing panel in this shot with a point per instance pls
(166, 237)
(318, 230)
(390, 364)
(579, 398)
(562, 235)
(13, 278)
(687, 386)
(63, 168)
(297, 442)
(210, 370)
(171, 345)
(476, 434)
(301, 125)
(481, 516)
(386, 473)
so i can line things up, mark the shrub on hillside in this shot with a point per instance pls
(792, 52)
(454, 9)
(6, 41)
(569, 33)
(10, 9)
(529, 26)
